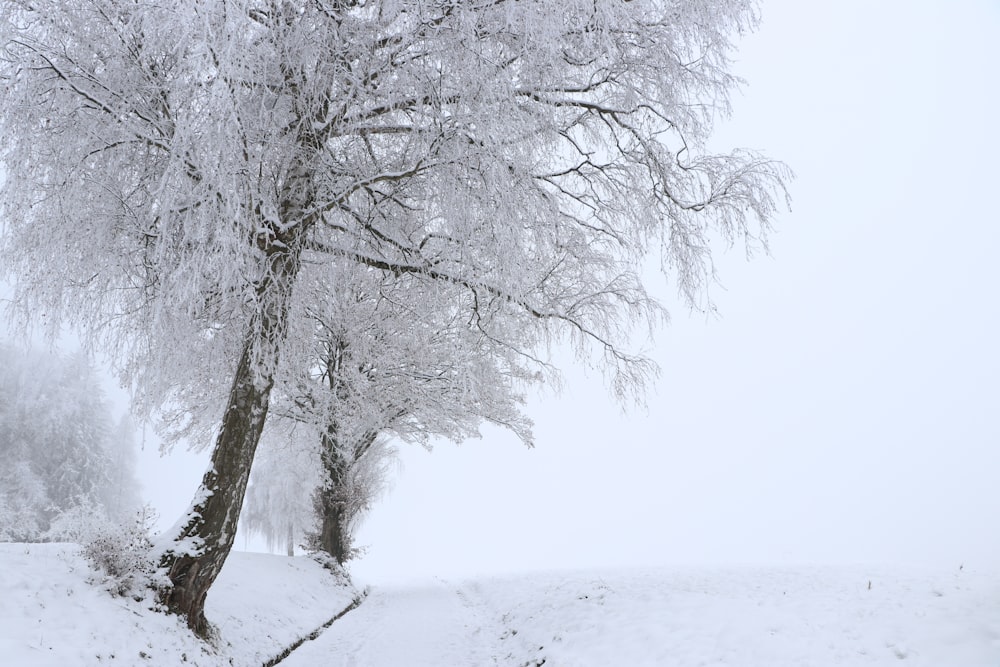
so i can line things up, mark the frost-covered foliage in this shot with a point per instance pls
(118, 551)
(303, 480)
(286, 472)
(182, 175)
(59, 446)
(519, 156)
(356, 474)
(294, 479)
(24, 503)
(372, 356)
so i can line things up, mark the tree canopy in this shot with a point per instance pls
(178, 171)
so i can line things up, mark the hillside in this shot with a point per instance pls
(741, 617)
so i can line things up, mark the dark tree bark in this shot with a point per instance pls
(332, 538)
(337, 501)
(212, 521)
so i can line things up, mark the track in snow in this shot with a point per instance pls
(433, 624)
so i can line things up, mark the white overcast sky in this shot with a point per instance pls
(844, 406)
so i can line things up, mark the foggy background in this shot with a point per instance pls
(842, 404)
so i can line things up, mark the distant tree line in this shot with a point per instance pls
(60, 447)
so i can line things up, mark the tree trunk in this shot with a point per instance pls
(331, 504)
(203, 542)
(290, 547)
(336, 501)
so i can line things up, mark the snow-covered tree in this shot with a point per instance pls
(373, 356)
(286, 473)
(173, 167)
(122, 496)
(357, 473)
(58, 445)
(301, 495)
(25, 507)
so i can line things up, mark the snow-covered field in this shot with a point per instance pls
(741, 617)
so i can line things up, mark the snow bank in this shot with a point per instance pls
(51, 615)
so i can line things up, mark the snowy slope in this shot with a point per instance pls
(739, 617)
(51, 615)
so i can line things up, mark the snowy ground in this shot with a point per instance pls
(737, 617)
(50, 615)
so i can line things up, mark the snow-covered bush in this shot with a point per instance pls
(23, 502)
(118, 552)
(339, 571)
